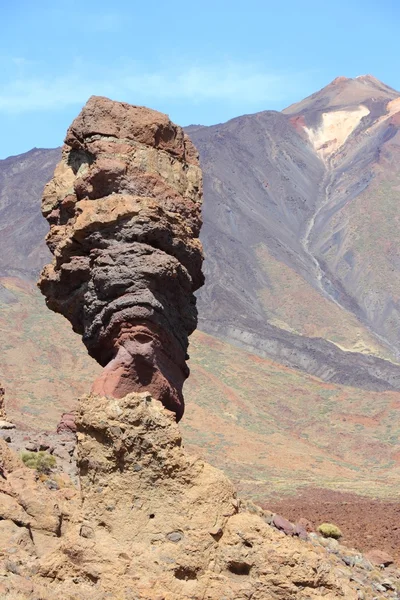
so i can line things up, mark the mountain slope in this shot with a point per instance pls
(22, 227)
(279, 249)
(353, 234)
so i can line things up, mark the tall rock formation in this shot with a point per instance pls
(124, 208)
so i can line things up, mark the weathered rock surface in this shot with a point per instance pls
(157, 523)
(2, 403)
(124, 211)
(4, 424)
(32, 516)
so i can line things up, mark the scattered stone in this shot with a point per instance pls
(388, 584)
(283, 524)
(216, 531)
(2, 403)
(175, 536)
(300, 531)
(378, 557)
(6, 425)
(51, 484)
(349, 560)
(62, 453)
(43, 446)
(67, 423)
(31, 447)
(87, 532)
(268, 516)
(306, 524)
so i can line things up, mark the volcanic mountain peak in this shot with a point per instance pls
(343, 92)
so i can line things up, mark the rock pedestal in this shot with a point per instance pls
(168, 525)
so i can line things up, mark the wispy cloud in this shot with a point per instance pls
(225, 81)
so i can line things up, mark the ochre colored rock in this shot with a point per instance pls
(26, 501)
(154, 522)
(3, 415)
(167, 525)
(124, 208)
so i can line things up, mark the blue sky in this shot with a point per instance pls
(200, 62)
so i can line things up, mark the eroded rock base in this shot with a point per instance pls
(156, 523)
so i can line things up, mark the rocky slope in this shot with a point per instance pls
(288, 421)
(157, 523)
(289, 199)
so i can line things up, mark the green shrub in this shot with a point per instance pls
(328, 530)
(43, 462)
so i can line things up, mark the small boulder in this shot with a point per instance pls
(283, 524)
(67, 423)
(31, 447)
(6, 425)
(300, 531)
(305, 524)
(379, 557)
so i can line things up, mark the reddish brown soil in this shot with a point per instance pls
(365, 523)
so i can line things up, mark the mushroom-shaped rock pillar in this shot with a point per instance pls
(124, 208)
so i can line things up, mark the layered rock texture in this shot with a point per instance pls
(124, 208)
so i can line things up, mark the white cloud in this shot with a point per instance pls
(224, 81)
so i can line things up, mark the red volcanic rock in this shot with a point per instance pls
(67, 423)
(124, 208)
(283, 524)
(378, 557)
(305, 524)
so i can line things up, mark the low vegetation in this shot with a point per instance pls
(43, 462)
(328, 530)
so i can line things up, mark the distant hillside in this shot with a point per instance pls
(301, 227)
(22, 227)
